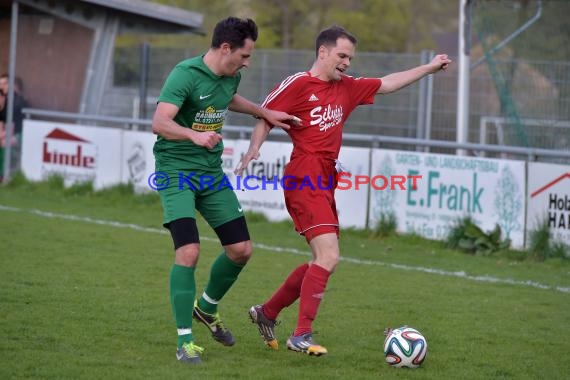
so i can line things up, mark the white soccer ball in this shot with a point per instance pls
(405, 347)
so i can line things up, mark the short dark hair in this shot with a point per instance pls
(234, 31)
(329, 36)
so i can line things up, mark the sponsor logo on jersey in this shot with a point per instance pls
(326, 117)
(209, 119)
(206, 127)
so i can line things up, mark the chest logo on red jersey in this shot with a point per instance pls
(326, 117)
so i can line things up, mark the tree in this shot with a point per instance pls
(379, 25)
(508, 204)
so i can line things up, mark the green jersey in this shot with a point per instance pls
(202, 98)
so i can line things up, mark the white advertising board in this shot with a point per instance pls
(352, 200)
(490, 191)
(255, 195)
(549, 199)
(137, 159)
(78, 153)
(448, 187)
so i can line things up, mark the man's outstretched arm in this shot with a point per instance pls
(394, 82)
(275, 118)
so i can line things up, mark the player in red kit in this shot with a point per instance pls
(322, 98)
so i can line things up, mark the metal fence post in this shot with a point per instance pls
(428, 102)
(11, 93)
(143, 80)
(421, 112)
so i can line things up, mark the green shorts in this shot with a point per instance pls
(211, 194)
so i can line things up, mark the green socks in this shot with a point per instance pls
(182, 293)
(223, 274)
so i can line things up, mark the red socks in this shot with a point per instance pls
(305, 282)
(287, 293)
(312, 292)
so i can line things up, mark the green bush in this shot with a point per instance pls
(541, 246)
(467, 236)
(386, 226)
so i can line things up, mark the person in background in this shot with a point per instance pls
(20, 103)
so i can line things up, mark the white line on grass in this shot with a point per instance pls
(136, 227)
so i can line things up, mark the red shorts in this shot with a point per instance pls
(308, 185)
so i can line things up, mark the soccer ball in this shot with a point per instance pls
(405, 347)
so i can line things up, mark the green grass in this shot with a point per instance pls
(80, 299)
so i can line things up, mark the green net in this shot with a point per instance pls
(531, 96)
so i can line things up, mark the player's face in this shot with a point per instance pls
(4, 85)
(338, 58)
(238, 58)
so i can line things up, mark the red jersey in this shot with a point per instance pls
(323, 108)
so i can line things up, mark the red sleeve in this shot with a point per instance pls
(363, 90)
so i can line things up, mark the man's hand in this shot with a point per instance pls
(274, 118)
(207, 139)
(252, 154)
(280, 119)
(439, 62)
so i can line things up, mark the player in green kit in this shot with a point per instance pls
(189, 117)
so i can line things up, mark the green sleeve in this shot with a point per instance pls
(177, 87)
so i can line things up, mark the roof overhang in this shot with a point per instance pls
(136, 16)
(137, 13)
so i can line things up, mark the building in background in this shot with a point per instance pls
(64, 48)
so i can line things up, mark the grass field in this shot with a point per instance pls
(84, 294)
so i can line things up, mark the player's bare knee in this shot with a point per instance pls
(327, 259)
(334, 262)
(241, 252)
(187, 255)
(330, 262)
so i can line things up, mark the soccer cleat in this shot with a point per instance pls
(219, 332)
(305, 343)
(265, 326)
(189, 353)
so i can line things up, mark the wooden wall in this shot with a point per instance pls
(52, 58)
